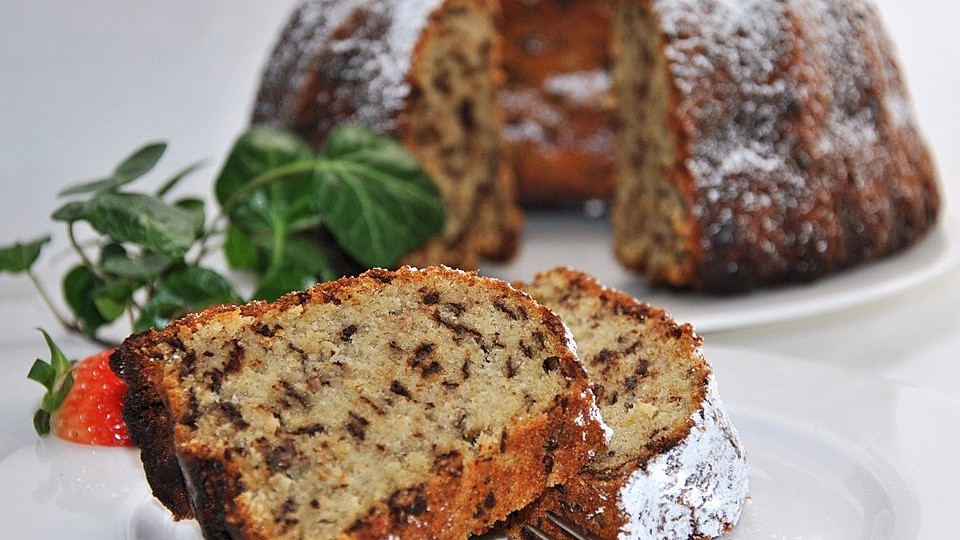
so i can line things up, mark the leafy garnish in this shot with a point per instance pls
(289, 216)
(56, 377)
(134, 166)
(188, 289)
(365, 189)
(140, 219)
(20, 257)
(379, 203)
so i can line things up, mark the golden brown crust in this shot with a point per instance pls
(463, 495)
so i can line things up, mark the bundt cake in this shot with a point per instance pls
(755, 142)
(675, 468)
(389, 405)
(762, 142)
(424, 71)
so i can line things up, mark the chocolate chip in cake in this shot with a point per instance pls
(431, 297)
(298, 396)
(347, 333)
(431, 368)
(399, 389)
(312, 429)
(357, 425)
(511, 368)
(503, 307)
(263, 330)
(466, 115)
(449, 464)
(551, 363)
(282, 456)
(407, 503)
(233, 414)
(422, 351)
(235, 358)
(547, 464)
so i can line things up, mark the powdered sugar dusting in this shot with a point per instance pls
(695, 489)
(545, 118)
(790, 100)
(735, 45)
(594, 411)
(580, 86)
(366, 66)
(595, 418)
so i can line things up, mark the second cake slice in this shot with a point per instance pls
(675, 467)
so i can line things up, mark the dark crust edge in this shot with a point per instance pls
(150, 423)
(213, 487)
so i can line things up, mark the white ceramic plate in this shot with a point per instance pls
(834, 456)
(570, 238)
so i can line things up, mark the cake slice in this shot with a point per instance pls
(675, 467)
(389, 405)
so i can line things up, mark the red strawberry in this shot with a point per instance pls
(83, 400)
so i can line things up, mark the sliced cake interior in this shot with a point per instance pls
(396, 404)
(675, 467)
(652, 226)
(451, 123)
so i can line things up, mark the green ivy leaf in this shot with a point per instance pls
(306, 255)
(140, 162)
(268, 190)
(145, 221)
(240, 250)
(20, 256)
(79, 287)
(183, 291)
(137, 164)
(195, 207)
(376, 199)
(305, 263)
(258, 152)
(143, 267)
(176, 178)
(70, 212)
(276, 283)
(112, 298)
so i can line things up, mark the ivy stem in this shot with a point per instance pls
(68, 325)
(279, 229)
(131, 316)
(279, 244)
(71, 235)
(259, 181)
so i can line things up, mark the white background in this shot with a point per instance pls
(84, 83)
